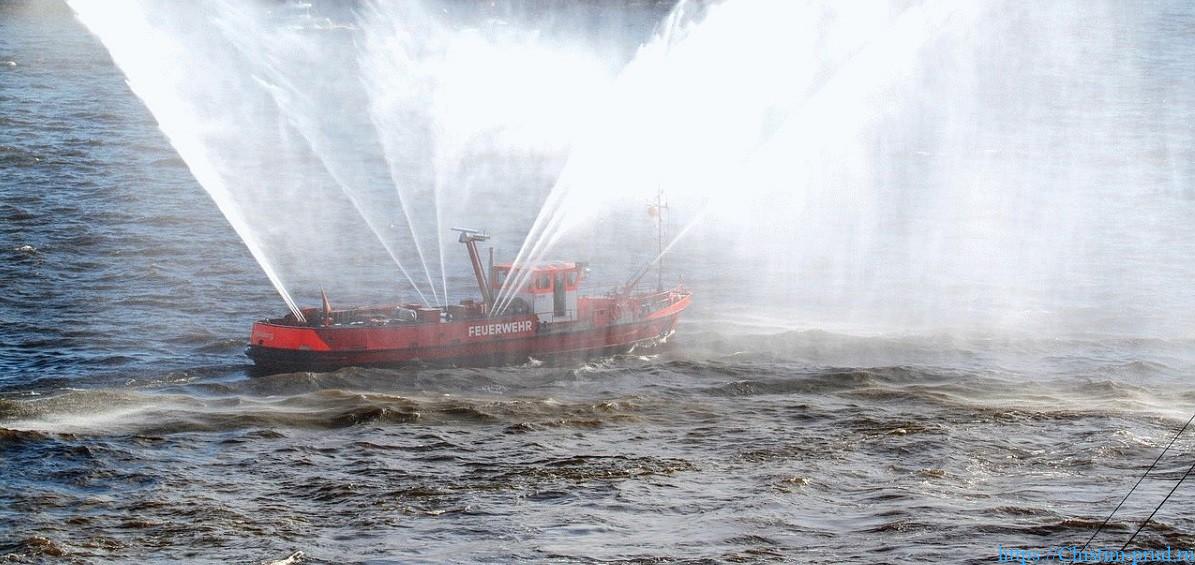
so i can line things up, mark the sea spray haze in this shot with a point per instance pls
(909, 168)
(903, 164)
(941, 252)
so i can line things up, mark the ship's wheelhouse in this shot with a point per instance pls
(550, 291)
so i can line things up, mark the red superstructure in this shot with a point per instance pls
(547, 318)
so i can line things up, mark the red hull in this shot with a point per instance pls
(605, 325)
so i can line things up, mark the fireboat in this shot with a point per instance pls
(546, 319)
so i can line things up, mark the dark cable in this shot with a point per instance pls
(1130, 493)
(1151, 514)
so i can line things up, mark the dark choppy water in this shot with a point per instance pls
(129, 429)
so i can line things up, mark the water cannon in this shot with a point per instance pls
(470, 234)
(470, 237)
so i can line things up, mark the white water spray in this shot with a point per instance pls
(905, 165)
(281, 57)
(692, 110)
(323, 138)
(158, 80)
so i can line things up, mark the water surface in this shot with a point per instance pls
(130, 429)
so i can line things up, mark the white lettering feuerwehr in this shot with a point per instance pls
(499, 329)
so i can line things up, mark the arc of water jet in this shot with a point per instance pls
(235, 219)
(507, 291)
(279, 98)
(240, 227)
(666, 33)
(440, 235)
(803, 112)
(908, 19)
(110, 22)
(542, 222)
(388, 149)
(392, 170)
(343, 186)
(548, 235)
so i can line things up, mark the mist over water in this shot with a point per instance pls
(914, 169)
(941, 256)
(901, 165)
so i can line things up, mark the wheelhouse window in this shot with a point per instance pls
(572, 279)
(544, 282)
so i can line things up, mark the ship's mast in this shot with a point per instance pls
(658, 210)
(655, 209)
